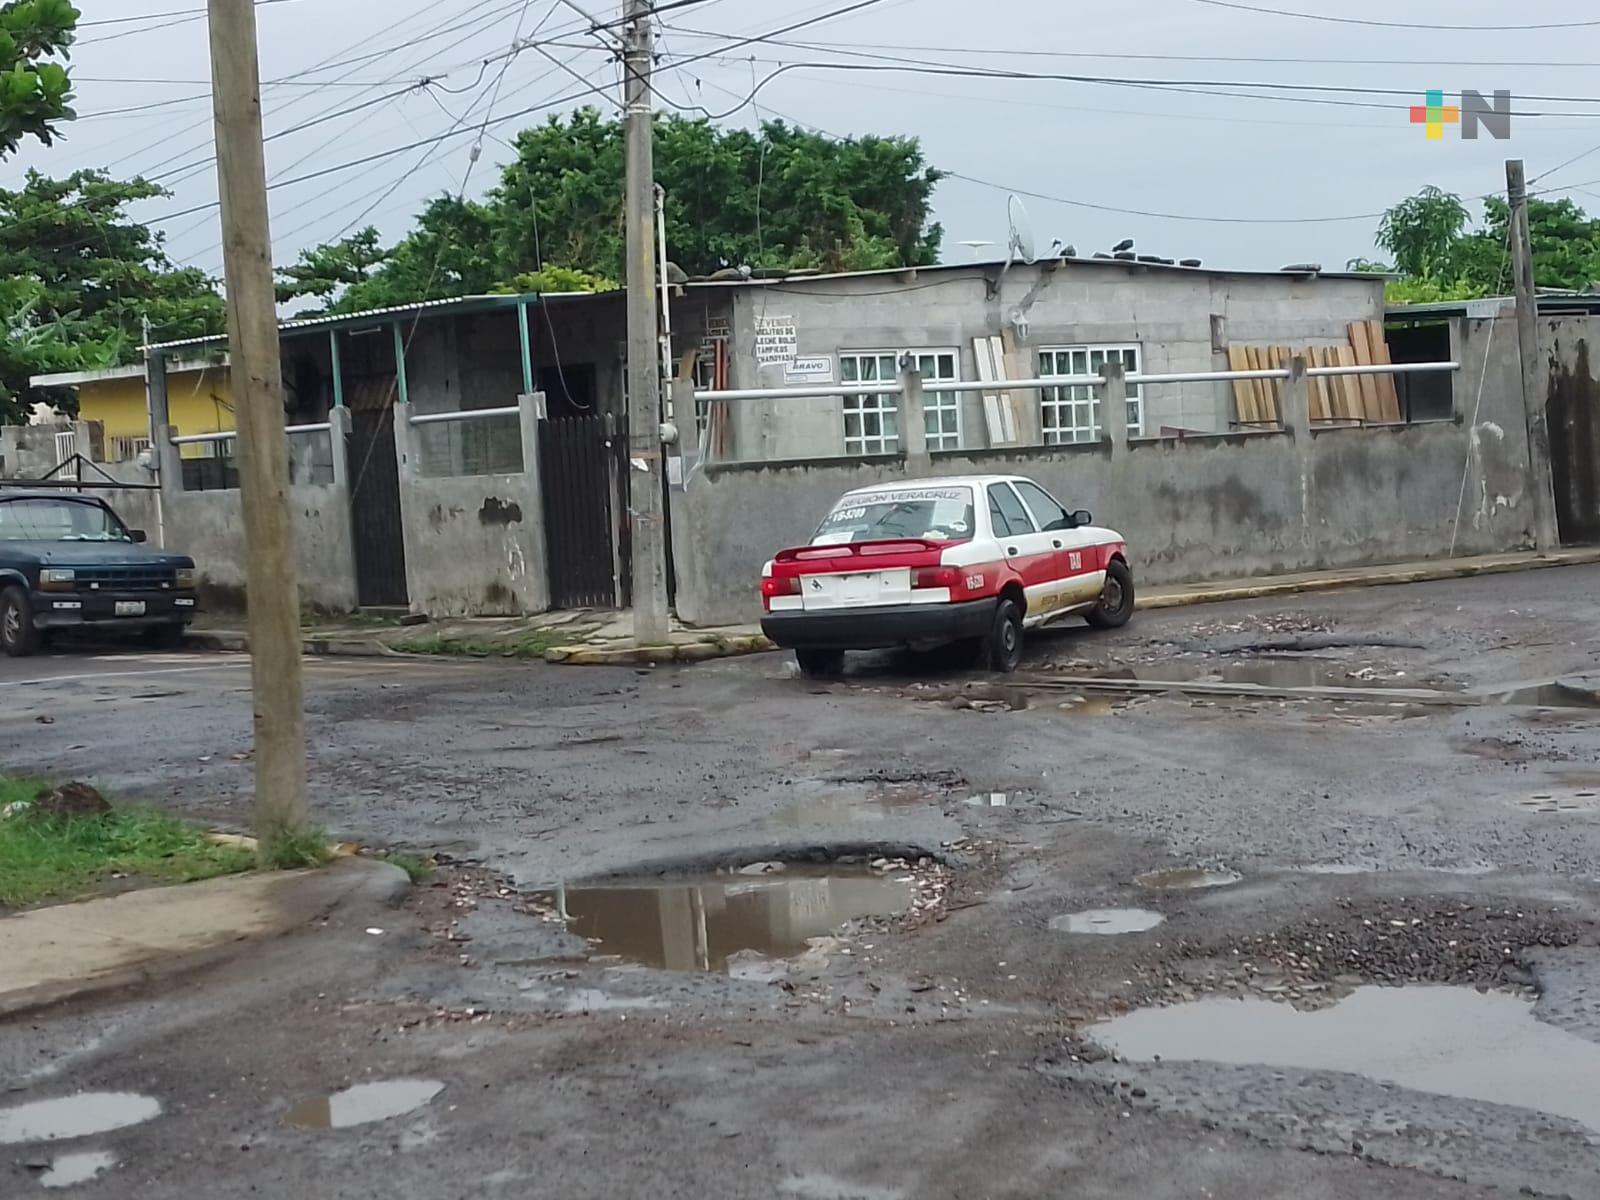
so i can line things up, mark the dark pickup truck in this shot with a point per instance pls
(68, 562)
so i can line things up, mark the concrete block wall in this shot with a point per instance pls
(475, 545)
(1224, 506)
(1167, 312)
(209, 526)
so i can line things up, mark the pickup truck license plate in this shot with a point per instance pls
(130, 608)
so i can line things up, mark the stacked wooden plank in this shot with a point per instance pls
(1361, 398)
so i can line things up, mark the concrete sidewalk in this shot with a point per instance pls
(589, 637)
(73, 950)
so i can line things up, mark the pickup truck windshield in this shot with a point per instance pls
(49, 520)
(937, 514)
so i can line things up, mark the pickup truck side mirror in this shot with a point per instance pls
(1082, 517)
(138, 535)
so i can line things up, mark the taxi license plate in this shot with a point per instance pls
(130, 608)
(859, 589)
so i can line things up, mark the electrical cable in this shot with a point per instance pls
(1431, 26)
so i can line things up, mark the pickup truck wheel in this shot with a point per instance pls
(1115, 605)
(820, 664)
(18, 637)
(1005, 639)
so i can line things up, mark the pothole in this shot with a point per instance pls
(69, 1170)
(1187, 879)
(1571, 692)
(1555, 802)
(1451, 1041)
(701, 924)
(75, 1116)
(363, 1104)
(1107, 921)
(856, 810)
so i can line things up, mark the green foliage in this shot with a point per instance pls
(780, 198)
(35, 92)
(291, 849)
(78, 277)
(42, 859)
(1440, 258)
(326, 270)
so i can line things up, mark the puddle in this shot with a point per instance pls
(1446, 1040)
(1186, 879)
(699, 925)
(589, 999)
(72, 1169)
(1107, 921)
(363, 1104)
(853, 810)
(1266, 672)
(1558, 693)
(75, 1116)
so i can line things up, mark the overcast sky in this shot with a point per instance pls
(1257, 160)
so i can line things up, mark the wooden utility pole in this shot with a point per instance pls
(650, 620)
(257, 373)
(1535, 380)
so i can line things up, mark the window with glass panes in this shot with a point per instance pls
(872, 423)
(1071, 413)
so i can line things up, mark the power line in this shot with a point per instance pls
(1431, 26)
(177, 17)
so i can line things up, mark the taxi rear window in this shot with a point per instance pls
(936, 514)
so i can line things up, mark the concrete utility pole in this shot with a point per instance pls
(1535, 384)
(273, 592)
(646, 503)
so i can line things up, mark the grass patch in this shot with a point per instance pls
(418, 868)
(527, 645)
(52, 859)
(294, 849)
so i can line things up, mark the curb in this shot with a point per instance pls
(685, 652)
(1378, 577)
(330, 647)
(345, 883)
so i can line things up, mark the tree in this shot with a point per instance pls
(325, 270)
(78, 279)
(782, 198)
(1439, 258)
(35, 92)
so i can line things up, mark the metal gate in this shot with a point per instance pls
(1574, 416)
(582, 464)
(375, 510)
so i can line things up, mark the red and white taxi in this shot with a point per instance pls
(974, 559)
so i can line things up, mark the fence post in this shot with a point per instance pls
(339, 440)
(1295, 416)
(530, 410)
(913, 419)
(1114, 405)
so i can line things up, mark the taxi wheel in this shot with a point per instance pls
(1116, 602)
(18, 636)
(1005, 639)
(820, 664)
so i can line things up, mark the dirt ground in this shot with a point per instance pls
(1446, 836)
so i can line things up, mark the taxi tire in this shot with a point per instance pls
(1004, 643)
(1102, 617)
(18, 636)
(820, 664)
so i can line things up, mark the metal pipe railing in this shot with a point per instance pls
(471, 414)
(199, 439)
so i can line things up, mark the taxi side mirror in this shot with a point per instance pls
(1082, 517)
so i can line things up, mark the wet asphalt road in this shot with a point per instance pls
(1376, 843)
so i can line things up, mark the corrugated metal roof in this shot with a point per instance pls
(460, 304)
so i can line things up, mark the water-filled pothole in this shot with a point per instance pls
(855, 810)
(1447, 1040)
(1556, 801)
(1265, 672)
(699, 924)
(363, 1104)
(69, 1170)
(1187, 879)
(1107, 921)
(75, 1116)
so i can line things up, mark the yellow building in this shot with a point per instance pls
(199, 400)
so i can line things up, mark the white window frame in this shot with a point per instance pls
(1071, 414)
(941, 410)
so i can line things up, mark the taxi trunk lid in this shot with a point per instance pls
(853, 574)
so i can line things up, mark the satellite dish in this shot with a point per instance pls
(1022, 247)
